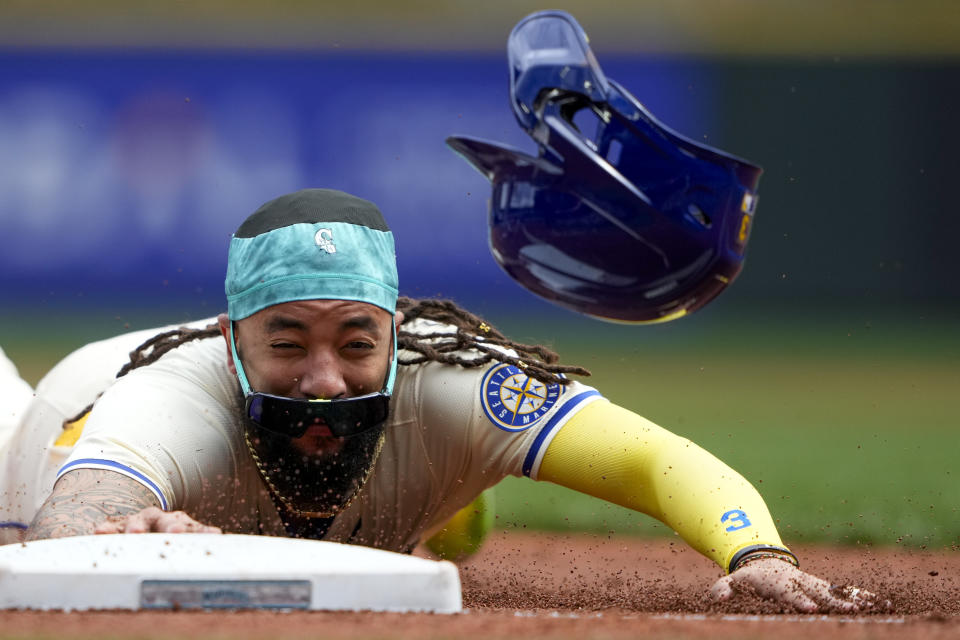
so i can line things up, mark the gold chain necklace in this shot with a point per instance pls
(261, 468)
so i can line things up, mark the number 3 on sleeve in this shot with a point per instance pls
(737, 519)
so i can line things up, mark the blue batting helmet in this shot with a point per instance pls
(618, 217)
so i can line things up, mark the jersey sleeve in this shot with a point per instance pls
(483, 424)
(169, 426)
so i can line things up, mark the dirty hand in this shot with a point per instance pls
(154, 520)
(784, 583)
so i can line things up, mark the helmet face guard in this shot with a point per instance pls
(618, 217)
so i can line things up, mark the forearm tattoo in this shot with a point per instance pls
(84, 498)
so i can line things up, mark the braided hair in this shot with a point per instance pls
(471, 333)
(152, 350)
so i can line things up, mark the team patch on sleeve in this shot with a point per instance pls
(513, 400)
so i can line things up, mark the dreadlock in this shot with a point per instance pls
(154, 348)
(472, 333)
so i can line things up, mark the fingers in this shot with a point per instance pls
(722, 589)
(857, 599)
(143, 521)
(847, 599)
(111, 525)
(817, 592)
(154, 520)
(800, 600)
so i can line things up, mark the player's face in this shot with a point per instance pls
(316, 349)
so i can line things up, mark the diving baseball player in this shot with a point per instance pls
(321, 406)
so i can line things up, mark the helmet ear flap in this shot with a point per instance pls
(618, 217)
(493, 159)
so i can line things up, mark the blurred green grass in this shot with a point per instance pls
(846, 425)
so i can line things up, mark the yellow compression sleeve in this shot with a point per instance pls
(614, 454)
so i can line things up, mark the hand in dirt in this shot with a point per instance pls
(781, 582)
(154, 520)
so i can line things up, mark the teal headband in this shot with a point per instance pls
(319, 261)
(314, 244)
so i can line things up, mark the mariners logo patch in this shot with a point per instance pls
(513, 400)
(324, 240)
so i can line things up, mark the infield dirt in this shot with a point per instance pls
(524, 585)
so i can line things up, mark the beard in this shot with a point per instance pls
(319, 480)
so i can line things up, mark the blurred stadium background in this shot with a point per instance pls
(134, 137)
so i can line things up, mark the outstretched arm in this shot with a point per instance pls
(87, 501)
(612, 453)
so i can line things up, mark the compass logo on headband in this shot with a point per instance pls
(513, 400)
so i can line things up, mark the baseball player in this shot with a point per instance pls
(321, 405)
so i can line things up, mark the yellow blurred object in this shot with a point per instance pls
(71, 432)
(464, 533)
